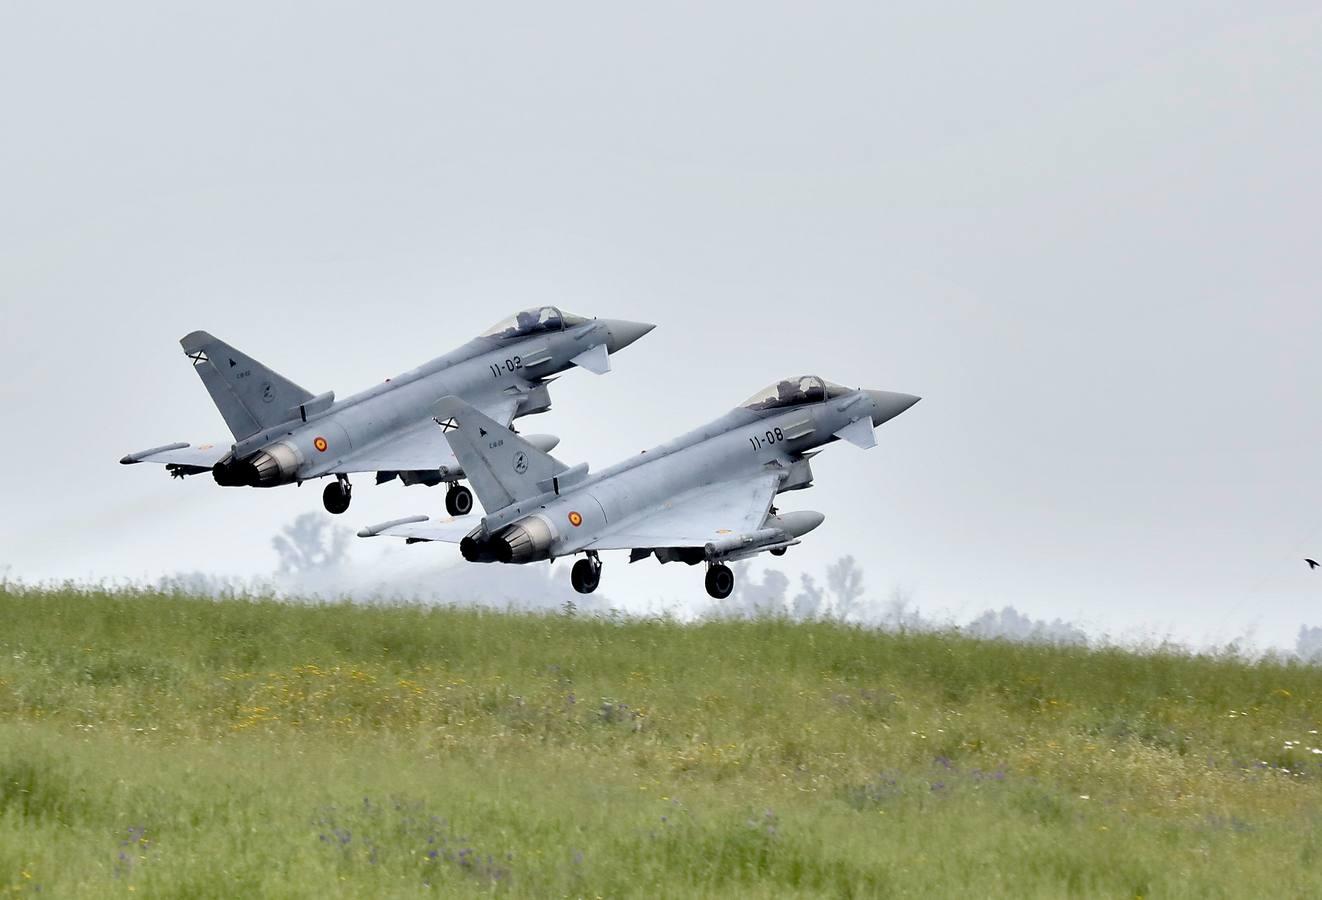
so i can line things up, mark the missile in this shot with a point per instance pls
(778, 531)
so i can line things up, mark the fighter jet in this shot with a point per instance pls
(283, 434)
(705, 497)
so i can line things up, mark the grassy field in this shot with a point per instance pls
(157, 745)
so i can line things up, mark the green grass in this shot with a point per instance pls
(157, 745)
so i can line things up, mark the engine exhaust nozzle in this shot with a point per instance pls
(274, 465)
(527, 540)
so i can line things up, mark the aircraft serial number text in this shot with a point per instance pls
(766, 439)
(510, 365)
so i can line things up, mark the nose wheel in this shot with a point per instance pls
(458, 500)
(720, 581)
(337, 495)
(586, 574)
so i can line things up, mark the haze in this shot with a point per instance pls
(1087, 236)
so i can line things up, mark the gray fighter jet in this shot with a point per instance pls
(283, 434)
(704, 497)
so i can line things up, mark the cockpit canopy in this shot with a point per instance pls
(795, 391)
(533, 321)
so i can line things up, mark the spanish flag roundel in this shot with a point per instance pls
(320, 444)
(575, 519)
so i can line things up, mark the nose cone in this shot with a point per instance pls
(621, 333)
(886, 405)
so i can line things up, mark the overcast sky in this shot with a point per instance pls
(1086, 234)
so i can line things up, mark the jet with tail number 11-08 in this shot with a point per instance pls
(705, 497)
(284, 435)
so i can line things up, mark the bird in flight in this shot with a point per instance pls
(1312, 563)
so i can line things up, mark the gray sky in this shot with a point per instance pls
(1086, 235)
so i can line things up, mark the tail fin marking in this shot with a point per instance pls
(502, 467)
(250, 396)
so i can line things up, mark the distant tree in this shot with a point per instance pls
(774, 585)
(1309, 644)
(901, 615)
(205, 584)
(751, 598)
(310, 544)
(845, 580)
(810, 601)
(1010, 624)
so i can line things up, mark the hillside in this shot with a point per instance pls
(159, 745)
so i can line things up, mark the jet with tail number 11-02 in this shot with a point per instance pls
(285, 435)
(705, 497)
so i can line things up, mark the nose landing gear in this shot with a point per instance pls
(458, 500)
(337, 495)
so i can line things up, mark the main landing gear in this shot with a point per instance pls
(337, 495)
(779, 551)
(720, 581)
(586, 574)
(458, 500)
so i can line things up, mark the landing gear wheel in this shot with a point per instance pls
(336, 497)
(720, 581)
(779, 551)
(585, 576)
(458, 500)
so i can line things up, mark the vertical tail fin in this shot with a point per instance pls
(502, 467)
(250, 396)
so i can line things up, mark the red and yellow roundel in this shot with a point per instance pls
(320, 444)
(575, 519)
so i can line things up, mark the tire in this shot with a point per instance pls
(779, 551)
(720, 581)
(459, 501)
(336, 498)
(585, 576)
